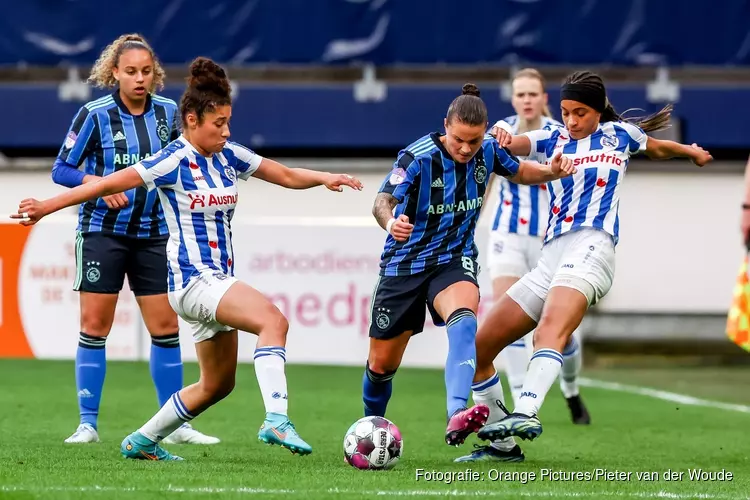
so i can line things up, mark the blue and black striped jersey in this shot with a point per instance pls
(442, 199)
(105, 137)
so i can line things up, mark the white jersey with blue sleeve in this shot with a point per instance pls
(590, 198)
(522, 209)
(198, 195)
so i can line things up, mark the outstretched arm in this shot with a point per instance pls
(302, 178)
(658, 149)
(518, 145)
(31, 210)
(531, 172)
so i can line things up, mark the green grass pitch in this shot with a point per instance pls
(630, 433)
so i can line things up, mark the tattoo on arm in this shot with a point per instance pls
(383, 208)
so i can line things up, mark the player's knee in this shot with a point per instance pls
(379, 362)
(96, 325)
(164, 324)
(283, 325)
(378, 375)
(276, 326)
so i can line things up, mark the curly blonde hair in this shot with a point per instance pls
(101, 73)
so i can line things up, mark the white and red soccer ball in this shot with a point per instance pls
(373, 443)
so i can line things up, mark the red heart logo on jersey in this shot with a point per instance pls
(543, 187)
(523, 221)
(569, 218)
(563, 137)
(213, 244)
(555, 210)
(601, 182)
(194, 166)
(229, 262)
(507, 202)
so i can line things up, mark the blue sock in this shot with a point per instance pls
(461, 363)
(166, 366)
(376, 391)
(91, 366)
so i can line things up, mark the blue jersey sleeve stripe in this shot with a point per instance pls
(163, 100)
(505, 164)
(547, 146)
(101, 102)
(397, 183)
(79, 138)
(627, 139)
(421, 146)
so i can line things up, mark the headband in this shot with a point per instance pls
(592, 96)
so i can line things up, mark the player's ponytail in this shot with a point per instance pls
(101, 72)
(207, 88)
(587, 81)
(468, 108)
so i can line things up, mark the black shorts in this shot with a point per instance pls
(103, 260)
(398, 304)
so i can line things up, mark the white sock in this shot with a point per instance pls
(571, 367)
(515, 359)
(269, 370)
(544, 368)
(172, 415)
(489, 392)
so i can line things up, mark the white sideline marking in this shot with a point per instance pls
(663, 395)
(385, 493)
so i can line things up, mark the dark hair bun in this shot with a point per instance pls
(470, 89)
(207, 76)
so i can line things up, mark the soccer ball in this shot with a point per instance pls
(373, 443)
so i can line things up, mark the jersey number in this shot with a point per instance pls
(468, 264)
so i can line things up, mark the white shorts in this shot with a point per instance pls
(512, 255)
(583, 260)
(198, 301)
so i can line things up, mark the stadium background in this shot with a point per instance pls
(343, 85)
(346, 84)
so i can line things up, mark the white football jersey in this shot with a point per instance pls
(519, 208)
(590, 198)
(198, 195)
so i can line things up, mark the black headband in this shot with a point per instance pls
(594, 97)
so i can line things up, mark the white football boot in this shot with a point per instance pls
(85, 433)
(185, 434)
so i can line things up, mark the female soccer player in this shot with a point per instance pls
(578, 259)
(437, 186)
(123, 233)
(514, 247)
(515, 242)
(196, 178)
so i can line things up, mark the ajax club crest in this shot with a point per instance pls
(480, 171)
